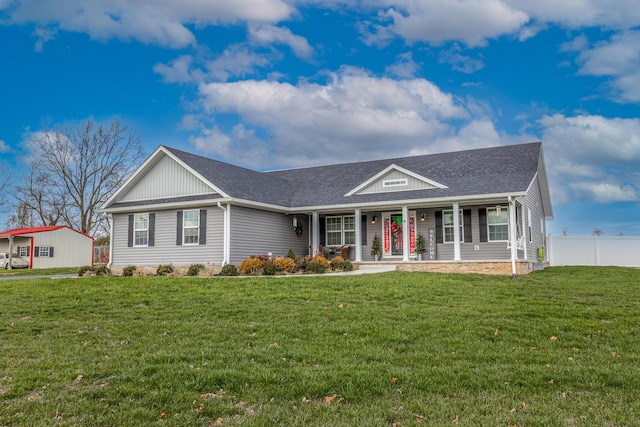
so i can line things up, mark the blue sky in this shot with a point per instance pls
(270, 84)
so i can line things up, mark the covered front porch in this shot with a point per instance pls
(471, 237)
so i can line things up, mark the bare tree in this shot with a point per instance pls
(78, 167)
(597, 232)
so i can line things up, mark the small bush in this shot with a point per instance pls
(285, 264)
(251, 265)
(291, 254)
(318, 265)
(229, 270)
(163, 270)
(85, 270)
(102, 270)
(194, 269)
(315, 268)
(301, 262)
(336, 262)
(269, 269)
(346, 265)
(128, 270)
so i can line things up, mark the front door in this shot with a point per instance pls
(393, 233)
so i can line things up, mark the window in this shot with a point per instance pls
(23, 251)
(447, 223)
(341, 230)
(498, 223)
(44, 251)
(395, 183)
(141, 230)
(191, 227)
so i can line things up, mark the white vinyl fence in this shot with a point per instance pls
(620, 251)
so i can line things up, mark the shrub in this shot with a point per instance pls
(285, 264)
(164, 270)
(251, 265)
(102, 270)
(301, 262)
(85, 270)
(318, 265)
(346, 265)
(269, 269)
(336, 262)
(128, 270)
(194, 269)
(291, 254)
(229, 270)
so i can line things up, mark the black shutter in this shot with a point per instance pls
(152, 229)
(28, 250)
(466, 218)
(322, 231)
(36, 251)
(202, 238)
(179, 228)
(482, 219)
(439, 237)
(130, 235)
(363, 231)
(51, 252)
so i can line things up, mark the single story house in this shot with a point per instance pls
(49, 247)
(476, 209)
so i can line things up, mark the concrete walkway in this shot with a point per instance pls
(369, 269)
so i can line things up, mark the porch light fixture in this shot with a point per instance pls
(498, 210)
(295, 221)
(374, 219)
(423, 217)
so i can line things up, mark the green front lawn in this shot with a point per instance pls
(555, 348)
(37, 271)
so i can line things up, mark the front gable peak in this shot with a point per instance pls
(392, 179)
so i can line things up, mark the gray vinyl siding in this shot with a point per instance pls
(167, 179)
(412, 184)
(533, 201)
(165, 250)
(256, 232)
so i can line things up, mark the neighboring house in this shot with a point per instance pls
(49, 247)
(476, 206)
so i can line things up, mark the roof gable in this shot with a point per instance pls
(394, 178)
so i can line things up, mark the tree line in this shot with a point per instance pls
(69, 172)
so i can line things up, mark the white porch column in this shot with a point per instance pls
(513, 238)
(358, 220)
(110, 219)
(10, 253)
(315, 235)
(456, 231)
(406, 250)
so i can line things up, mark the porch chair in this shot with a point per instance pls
(344, 252)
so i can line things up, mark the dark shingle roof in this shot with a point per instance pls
(496, 170)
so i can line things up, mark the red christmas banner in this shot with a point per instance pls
(387, 236)
(412, 234)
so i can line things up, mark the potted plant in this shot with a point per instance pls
(375, 248)
(298, 230)
(420, 247)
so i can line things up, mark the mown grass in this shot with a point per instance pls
(558, 347)
(37, 271)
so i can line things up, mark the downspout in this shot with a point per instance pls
(512, 235)
(110, 263)
(31, 253)
(225, 234)
(10, 265)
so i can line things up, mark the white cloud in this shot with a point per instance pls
(459, 62)
(437, 21)
(592, 157)
(162, 22)
(4, 148)
(43, 35)
(312, 122)
(619, 58)
(265, 34)
(404, 67)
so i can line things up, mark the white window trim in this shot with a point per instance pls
(135, 230)
(185, 227)
(490, 210)
(342, 230)
(22, 251)
(444, 227)
(43, 252)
